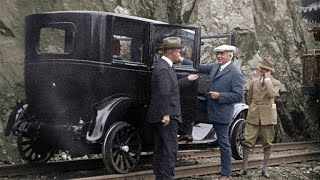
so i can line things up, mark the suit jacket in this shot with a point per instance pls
(261, 101)
(186, 62)
(165, 96)
(229, 83)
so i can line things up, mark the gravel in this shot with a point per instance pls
(309, 170)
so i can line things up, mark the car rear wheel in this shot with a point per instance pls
(32, 147)
(33, 150)
(121, 148)
(235, 137)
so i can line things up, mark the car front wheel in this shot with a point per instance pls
(121, 148)
(235, 137)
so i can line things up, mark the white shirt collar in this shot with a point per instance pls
(168, 60)
(225, 65)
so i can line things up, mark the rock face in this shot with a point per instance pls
(262, 28)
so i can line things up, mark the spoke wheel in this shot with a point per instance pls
(121, 148)
(31, 147)
(33, 150)
(235, 139)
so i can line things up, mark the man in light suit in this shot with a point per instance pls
(262, 114)
(225, 88)
(164, 112)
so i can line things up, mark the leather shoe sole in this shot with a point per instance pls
(265, 174)
(241, 172)
(224, 178)
(186, 138)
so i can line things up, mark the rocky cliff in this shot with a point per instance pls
(262, 28)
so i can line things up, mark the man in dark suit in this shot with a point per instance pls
(164, 111)
(225, 88)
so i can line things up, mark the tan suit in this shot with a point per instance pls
(261, 101)
(262, 115)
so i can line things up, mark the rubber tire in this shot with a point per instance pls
(27, 148)
(32, 148)
(115, 159)
(235, 137)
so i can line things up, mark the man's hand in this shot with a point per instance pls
(165, 120)
(214, 95)
(193, 77)
(267, 74)
(180, 59)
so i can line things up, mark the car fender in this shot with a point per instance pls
(15, 117)
(238, 109)
(103, 116)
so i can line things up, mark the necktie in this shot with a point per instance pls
(217, 72)
(262, 81)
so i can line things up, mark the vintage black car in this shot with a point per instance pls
(87, 86)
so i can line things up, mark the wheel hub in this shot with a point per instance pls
(125, 148)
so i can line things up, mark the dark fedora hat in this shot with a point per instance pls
(267, 63)
(171, 43)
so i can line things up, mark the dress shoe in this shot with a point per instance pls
(242, 172)
(187, 138)
(265, 174)
(224, 178)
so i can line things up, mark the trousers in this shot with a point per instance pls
(165, 149)
(222, 131)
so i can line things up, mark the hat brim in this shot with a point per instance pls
(266, 67)
(219, 50)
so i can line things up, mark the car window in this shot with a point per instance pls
(121, 49)
(52, 40)
(128, 41)
(56, 38)
(187, 37)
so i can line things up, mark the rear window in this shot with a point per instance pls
(52, 41)
(56, 38)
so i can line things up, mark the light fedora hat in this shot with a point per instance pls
(225, 48)
(171, 43)
(267, 63)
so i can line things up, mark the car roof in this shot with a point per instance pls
(102, 13)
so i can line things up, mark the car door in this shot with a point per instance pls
(190, 38)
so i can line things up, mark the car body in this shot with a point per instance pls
(87, 85)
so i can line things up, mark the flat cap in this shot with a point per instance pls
(225, 48)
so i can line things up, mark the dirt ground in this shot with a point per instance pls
(9, 154)
(309, 170)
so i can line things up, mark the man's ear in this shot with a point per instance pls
(231, 55)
